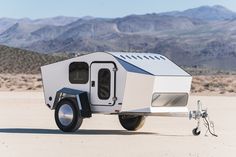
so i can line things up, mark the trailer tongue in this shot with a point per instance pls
(201, 115)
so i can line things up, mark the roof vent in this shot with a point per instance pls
(151, 57)
(146, 57)
(139, 57)
(128, 57)
(134, 57)
(122, 56)
(157, 57)
(162, 58)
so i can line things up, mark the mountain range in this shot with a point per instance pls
(203, 36)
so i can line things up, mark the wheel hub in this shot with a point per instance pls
(65, 114)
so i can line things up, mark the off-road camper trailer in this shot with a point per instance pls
(131, 85)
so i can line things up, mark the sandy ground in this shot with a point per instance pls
(20, 82)
(27, 129)
(208, 85)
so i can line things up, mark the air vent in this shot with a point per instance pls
(157, 57)
(128, 57)
(146, 57)
(151, 57)
(134, 57)
(122, 56)
(139, 57)
(162, 58)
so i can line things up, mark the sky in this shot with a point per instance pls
(99, 8)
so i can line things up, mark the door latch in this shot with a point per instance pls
(93, 84)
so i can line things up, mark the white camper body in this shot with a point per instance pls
(142, 84)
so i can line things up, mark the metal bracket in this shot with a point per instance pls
(199, 113)
(114, 98)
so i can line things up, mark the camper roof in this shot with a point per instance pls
(151, 63)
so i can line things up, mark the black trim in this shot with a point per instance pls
(114, 102)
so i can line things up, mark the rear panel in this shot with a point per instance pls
(138, 91)
(156, 94)
(171, 91)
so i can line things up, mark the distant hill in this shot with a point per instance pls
(17, 61)
(216, 12)
(6, 23)
(197, 37)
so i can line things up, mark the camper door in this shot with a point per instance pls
(102, 84)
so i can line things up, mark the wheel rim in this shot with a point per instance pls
(65, 114)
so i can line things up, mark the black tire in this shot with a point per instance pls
(131, 123)
(195, 132)
(76, 121)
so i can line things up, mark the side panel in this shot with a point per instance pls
(138, 91)
(56, 76)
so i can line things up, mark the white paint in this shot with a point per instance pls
(150, 63)
(172, 84)
(133, 90)
(138, 91)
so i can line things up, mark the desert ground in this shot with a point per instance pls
(27, 129)
(201, 84)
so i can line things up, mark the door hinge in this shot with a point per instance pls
(114, 69)
(114, 98)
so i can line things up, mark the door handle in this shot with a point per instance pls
(93, 84)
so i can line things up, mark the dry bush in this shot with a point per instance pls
(217, 84)
(20, 82)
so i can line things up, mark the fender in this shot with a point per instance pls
(81, 100)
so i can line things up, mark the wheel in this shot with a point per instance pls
(195, 132)
(67, 115)
(131, 123)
